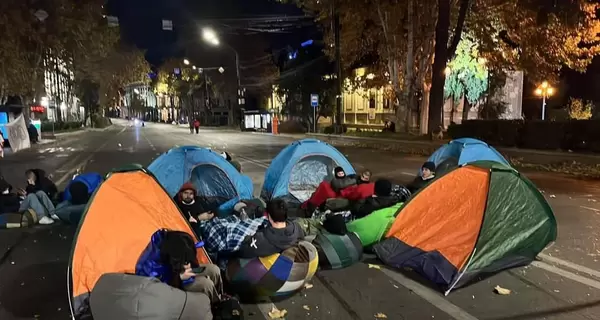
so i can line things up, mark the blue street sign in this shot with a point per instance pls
(314, 100)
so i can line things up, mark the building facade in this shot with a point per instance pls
(60, 101)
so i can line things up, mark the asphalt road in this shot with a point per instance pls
(564, 285)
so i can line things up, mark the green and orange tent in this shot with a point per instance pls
(121, 217)
(476, 220)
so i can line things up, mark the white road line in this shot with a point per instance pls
(597, 211)
(82, 163)
(546, 258)
(429, 295)
(567, 274)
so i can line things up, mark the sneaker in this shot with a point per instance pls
(55, 217)
(46, 220)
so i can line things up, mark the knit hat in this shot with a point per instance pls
(338, 170)
(429, 165)
(383, 187)
(188, 186)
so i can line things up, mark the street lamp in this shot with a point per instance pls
(186, 62)
(211, 37)
(545, 91)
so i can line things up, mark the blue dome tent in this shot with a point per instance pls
(299, 169)
(466, 150)
(214, 177)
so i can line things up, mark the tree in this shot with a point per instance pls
(580, 110)
(467, 76)
(538, 37)
(309, 72)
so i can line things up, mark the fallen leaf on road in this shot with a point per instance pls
(552, 196)
(374, 266)
(381, 316)
(308, 286)
(277, 314)
(305, 307)
(501, 291)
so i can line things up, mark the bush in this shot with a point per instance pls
(576, 135)
(102, 122)
(291, 126)
(331, 129)
(60, 126)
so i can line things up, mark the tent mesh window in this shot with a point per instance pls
(308, 173)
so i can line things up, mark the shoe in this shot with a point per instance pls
(46, 220)
(55, 217)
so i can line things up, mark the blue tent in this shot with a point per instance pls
(213, 176)
(467, 150)
(299, 168)
(91, 179)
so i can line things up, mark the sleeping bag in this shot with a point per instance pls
(374, 226)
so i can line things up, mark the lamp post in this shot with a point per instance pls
(545, 91)
(211, 37)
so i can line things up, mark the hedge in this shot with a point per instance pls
(572, 135)
(60, 126)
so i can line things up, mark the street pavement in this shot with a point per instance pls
(564, 284)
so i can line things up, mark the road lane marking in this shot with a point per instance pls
(567, 274)
(591, 209)
(82, 163)
(429, 295)
(546, 258)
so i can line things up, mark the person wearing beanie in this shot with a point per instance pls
(189, 204)
(383, 198)
(341, 181)
(422, 180)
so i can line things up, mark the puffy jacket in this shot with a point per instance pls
(91, 179)
(130, 297)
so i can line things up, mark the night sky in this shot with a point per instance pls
(141, 24)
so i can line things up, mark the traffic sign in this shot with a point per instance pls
(314, 100)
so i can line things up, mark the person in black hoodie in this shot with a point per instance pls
(341, 181)
(37, 180)
(279, 235)
(382, 198)
(190, 205)
(9, 201)
(422, 180)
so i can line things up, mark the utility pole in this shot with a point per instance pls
(338, 69)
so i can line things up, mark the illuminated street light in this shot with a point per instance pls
(211, 37)
(194, 67)
(447, 71)
(186, 62)
(545, 91)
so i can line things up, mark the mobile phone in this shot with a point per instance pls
(198, 270)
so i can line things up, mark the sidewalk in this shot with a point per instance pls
(426, 148)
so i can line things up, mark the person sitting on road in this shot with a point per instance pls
(190, 204)
(364, 177)
(382, 198)
(178, 254)
(36, 196)
(280, 234)
(422, 180)
(37, 180)
(76, 196)
(340, 181)
(9, 202)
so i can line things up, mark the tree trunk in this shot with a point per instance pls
(424, 121)
(465, 111)
(438, 78)
(409, 68)
(441, 55)
(452, 109)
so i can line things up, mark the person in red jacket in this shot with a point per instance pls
(196, 125)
